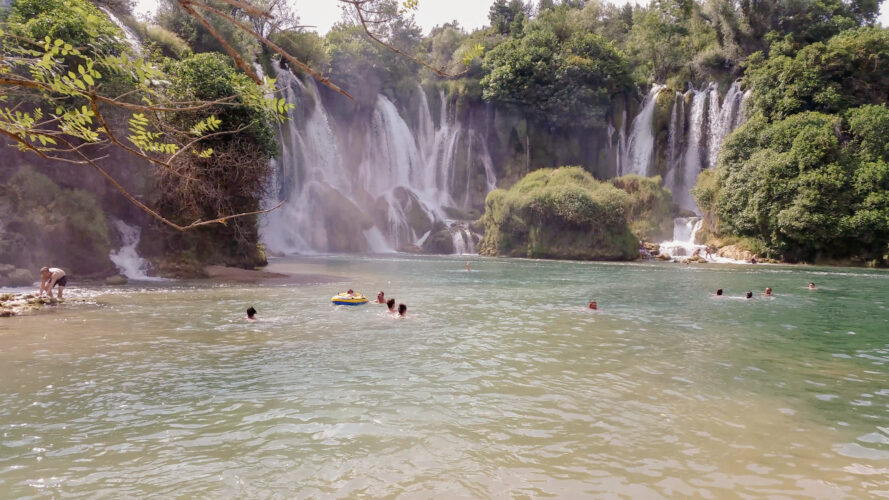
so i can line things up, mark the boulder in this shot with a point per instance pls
(5, 269)
(116, 280)
(735, 252)
(653, 248)
(19, 277)
(664, 256)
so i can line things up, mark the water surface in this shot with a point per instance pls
(499, 383)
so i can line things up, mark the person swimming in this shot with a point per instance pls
(748, 295)
(381, 298)
(593, 305)
(719, 292)
(402, 310)
(251, 314)
(391, 304)
(812, 286)
(768, 292)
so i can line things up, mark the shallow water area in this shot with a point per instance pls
(498, 383)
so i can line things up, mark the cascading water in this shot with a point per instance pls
(127, 259)
(372, 186)
(640, 146)
(723, 118)
(683, 242)
(129, 35)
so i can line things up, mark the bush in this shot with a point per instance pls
(559, 213)
(810, 186)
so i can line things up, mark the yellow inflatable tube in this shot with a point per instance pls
(346, 299)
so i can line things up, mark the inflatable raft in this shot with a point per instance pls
(347, 299)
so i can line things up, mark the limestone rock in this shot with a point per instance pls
(19, 277)
(116, 280)
(735, 252)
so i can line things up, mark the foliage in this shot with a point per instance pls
(556, 75)
(77, 22)
(650, 206)
(559, 213)
(306, 46)
(170, 16)
(809, 186)
(848, 70)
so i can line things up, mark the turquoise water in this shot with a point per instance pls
(498, 383)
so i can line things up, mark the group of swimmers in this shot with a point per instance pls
(402, 308)
(767, 293)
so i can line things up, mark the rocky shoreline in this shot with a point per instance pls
(16, 304)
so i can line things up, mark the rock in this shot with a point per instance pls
(439, 242)
(735, 252)
(5, 269)
(653, 248)
(695, 259)
(410, 249)
(664, 256)
(19, 277)
(116, 280)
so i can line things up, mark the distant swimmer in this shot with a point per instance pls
(251, 314)
(51, 277)
(748, 295)
(380, 298)
(768, 292)
(812, 286)
(402, 310)
(718, 292)
(593, 305)
(468, 266)
(391, 304)
(753, 259)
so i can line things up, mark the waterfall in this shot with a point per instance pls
(127, 259)
(129, 35)
(723, 118)
(373, 183)
(641, 143)
(683, 242)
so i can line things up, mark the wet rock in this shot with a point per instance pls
(22, 303)
(653, 248)
(116, 280)
(410, 249)
(735, 252)
(664, 256)
(19, 277)
(5, 269)
(439, 242)
(696, 259)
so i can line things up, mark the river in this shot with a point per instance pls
(498, 383)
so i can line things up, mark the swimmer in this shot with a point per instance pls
(402, 310)
(251, 314)
(391, 304)
(593, 305)
(768, 292)
(381, 298)
(718, 292)
(748, 295)
(467, 266)
(812, 286)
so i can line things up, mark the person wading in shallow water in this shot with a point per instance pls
(51, 277)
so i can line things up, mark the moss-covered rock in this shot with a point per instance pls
(45, 224)
(650, 211)
(559, 213)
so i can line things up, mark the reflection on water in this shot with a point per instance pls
(499, 383)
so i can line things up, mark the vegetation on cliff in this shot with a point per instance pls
(807, 176)
(565, 213)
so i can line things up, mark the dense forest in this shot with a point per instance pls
(805, 178)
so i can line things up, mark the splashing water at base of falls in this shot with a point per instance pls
(129, 35)
(127, 259)
(683, 246)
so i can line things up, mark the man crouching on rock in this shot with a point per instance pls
(50, 277)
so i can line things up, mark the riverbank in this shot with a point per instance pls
(15, 304)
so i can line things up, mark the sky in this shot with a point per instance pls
(470, 13)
